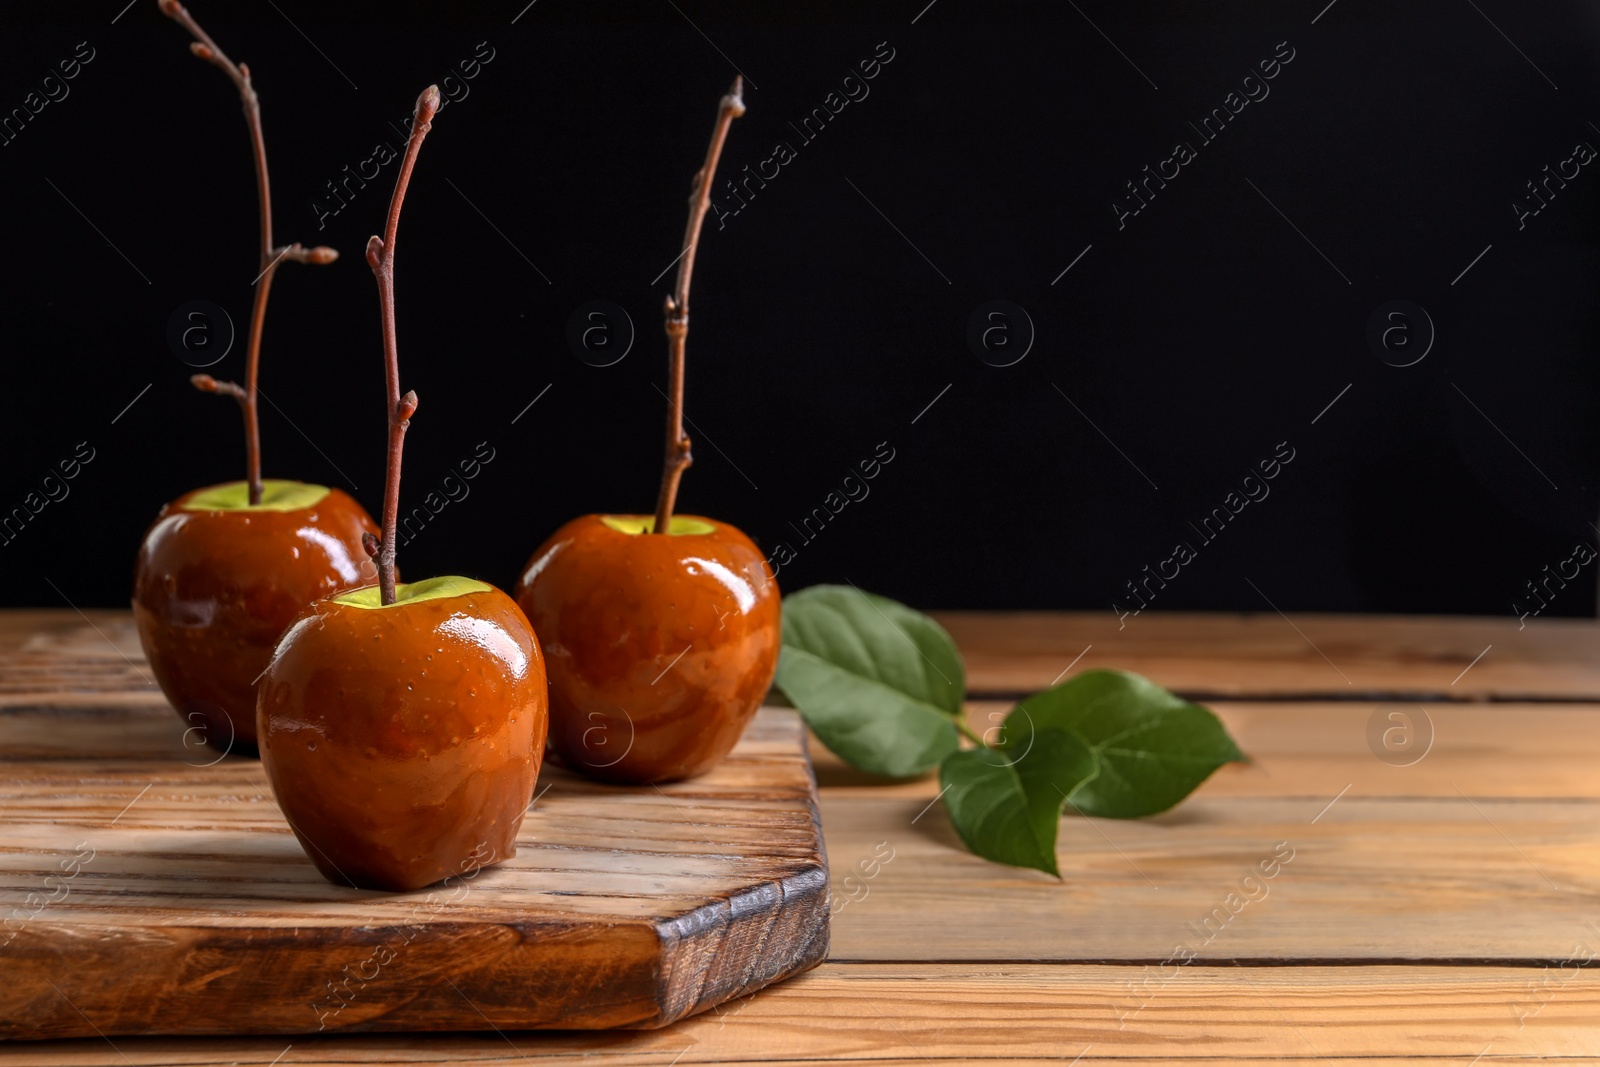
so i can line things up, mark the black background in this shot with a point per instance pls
(834, 307)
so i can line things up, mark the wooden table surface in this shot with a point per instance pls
(1446, 910)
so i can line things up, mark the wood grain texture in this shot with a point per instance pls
(1338, 657)
(1014, 1013)
(1433, 914)
(1373, 880)
(1314, 749)
(151, 888)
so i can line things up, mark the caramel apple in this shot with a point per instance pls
(223, 570)
(661, 632)
(659, 649)
(218, 581)
(403, 740)
(402, 727)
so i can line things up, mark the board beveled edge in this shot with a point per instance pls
(188, 981)
(801, 916)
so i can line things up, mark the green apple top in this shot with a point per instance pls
(413, 592)
(678, 525)
(276, 495)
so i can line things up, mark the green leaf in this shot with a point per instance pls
(1153, 747)
(983, 794)
(1054, 769)
(879, 683)
(1007, 805)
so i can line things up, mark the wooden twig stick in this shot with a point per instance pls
(676, 310)
(205, 48)
(380, 257)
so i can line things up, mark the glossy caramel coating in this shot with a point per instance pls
(660, 647)
(214, 590)
(403, 742)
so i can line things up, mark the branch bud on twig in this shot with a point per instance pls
(207, 384)
(300, 254)
(734, 100)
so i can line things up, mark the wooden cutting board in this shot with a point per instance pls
(148, 887)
